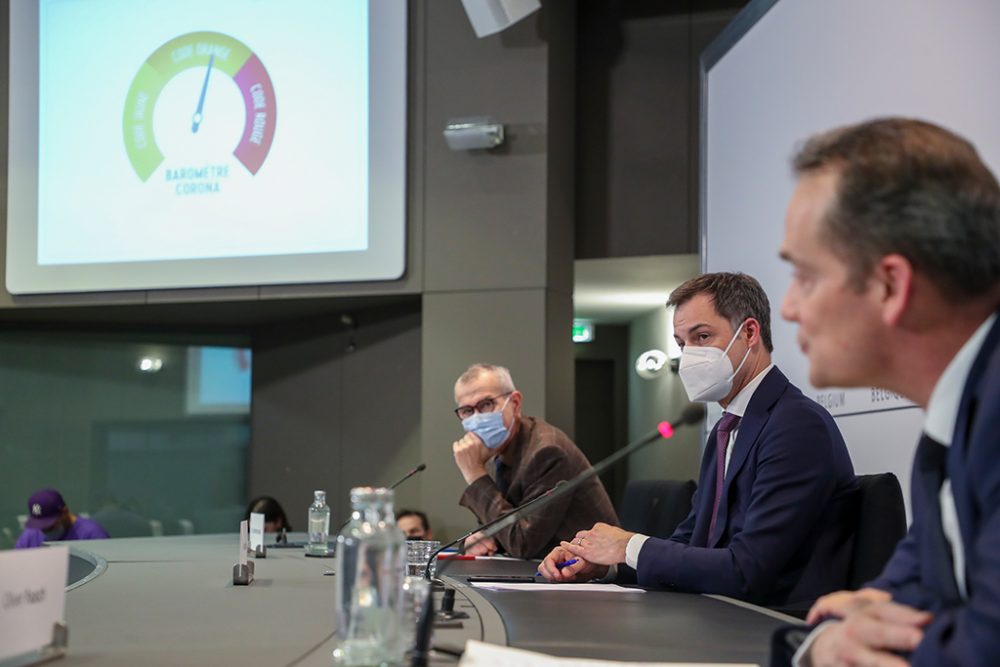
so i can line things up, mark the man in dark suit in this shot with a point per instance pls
(508, 459)
(894, 236)
(773, 516)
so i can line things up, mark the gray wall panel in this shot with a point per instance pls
(652, 401)
(485, 218)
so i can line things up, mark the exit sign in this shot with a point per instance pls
(583, 331)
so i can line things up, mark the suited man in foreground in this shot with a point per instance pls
(894, 236)
(773, 516)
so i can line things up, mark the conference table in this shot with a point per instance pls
(171, 601)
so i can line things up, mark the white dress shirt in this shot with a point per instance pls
(942, 413)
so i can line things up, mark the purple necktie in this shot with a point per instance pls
(726, 426)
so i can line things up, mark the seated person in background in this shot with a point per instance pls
(774, 514)
(49, 520)
(525, 457)
(274, 516)
(414, 525)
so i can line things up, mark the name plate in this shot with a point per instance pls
(244, 542)
(256, 530)
(32, 598)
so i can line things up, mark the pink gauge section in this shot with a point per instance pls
(258, 97)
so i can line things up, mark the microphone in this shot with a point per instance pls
(523, 508)
(419, 468)
(692, 414)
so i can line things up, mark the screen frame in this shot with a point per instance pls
(384, 259)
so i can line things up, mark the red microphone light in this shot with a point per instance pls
(665, 429)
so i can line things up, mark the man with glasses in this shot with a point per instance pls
(508, 459)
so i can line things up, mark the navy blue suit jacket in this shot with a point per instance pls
(921, 571)
(786, 516)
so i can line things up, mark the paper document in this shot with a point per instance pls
(575, 588)
(478, 654)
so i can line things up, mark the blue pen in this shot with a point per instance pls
(565, 563)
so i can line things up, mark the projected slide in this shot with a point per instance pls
(181, 143)
(200, 50)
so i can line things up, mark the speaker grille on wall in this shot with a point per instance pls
(491, 16)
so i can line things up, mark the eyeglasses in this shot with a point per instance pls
(483, 406)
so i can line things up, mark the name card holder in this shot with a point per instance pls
(32, 605)
(52, 651)
(242, 574)
(243, 569)
(257, 548)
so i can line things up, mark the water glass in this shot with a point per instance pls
(418, 552)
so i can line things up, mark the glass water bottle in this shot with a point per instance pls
(319, 526)
(371, 557)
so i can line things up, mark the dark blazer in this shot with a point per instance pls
(921, 572)
(538, 458)
(787, 512)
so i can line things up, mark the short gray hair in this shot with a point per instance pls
(502, 375)
(910, 187)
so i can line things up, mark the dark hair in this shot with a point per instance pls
(736, 297)
(417, 513)
(909, 187)
(271, 510)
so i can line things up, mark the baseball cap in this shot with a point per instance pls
(44, 507)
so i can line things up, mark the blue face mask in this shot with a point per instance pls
(488, 426)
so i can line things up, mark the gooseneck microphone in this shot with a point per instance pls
(692, 414)
(419, 468)
(523, 508)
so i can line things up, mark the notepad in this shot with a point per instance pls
(562, 588)
(479, 654)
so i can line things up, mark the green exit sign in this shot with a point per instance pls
(583, 331)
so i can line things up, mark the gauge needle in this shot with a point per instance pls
(198, 116)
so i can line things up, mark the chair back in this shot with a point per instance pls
(655, 507)
(881, 525)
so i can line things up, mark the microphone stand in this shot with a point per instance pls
(419, 468)
(692, 414)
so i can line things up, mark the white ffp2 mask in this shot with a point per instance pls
(706, 372)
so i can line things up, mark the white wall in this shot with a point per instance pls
(809, 65)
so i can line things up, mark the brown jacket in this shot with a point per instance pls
(539, 456)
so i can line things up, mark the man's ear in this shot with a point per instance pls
(751, 331)
(515, 398)
(892, 281)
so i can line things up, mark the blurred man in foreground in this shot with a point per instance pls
(894, 237)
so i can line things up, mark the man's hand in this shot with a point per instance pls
(471, 456)
(602, 544)
(581, 570)
(839, 604)
(869, 636)
(479, 546)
